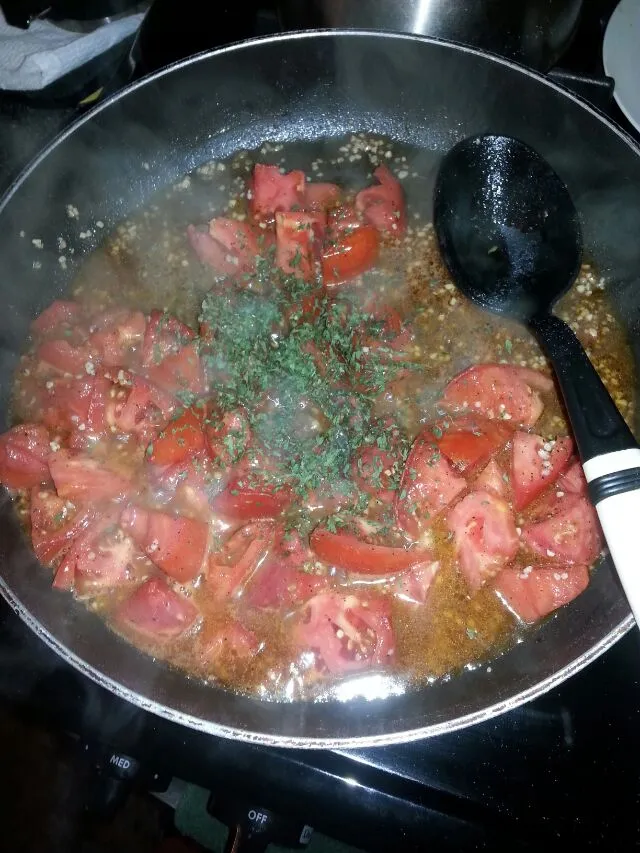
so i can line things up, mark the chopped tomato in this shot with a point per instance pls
(222, 647)
(496, 391)
(165, 335)
(383, 204)
(248, 498)
(493, 480)
(573, 481)
(177, 545)
(230, 569)
(55, 523)
(143, 410)
(60, 315)
(341, 221)
(572, 533)
(353, 254)
(80, 478)
(536, 464)
(92, 426)
(64, 358)
(101, 557)
(227, 436)
(271, 191)
(469, 442)
(428, 485)
(346, 632)
(373, 472)
(24, 451)
(484, 534)
(321, 196)
(287, 577)
(230, 247)
(65, 402)
(299, 243)
(347, 551)
(117, 338)
(156, 611)
(179, 371)
(413, 585)
(180, 439)
(536, 591)
(192, 484)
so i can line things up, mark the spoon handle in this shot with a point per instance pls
(610, 454)
(598, 426)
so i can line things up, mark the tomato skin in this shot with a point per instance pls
(531, 470)
(383, 204)
(250, 504)
(165, 335)
(428, 485)
(349, 552)
(570, 535)
(469, 442)
(498, 391)
(143, 410)
(368, 473)
(54, 525)
(355, 253)
(492, 479)
(229, 570)
(539, 590)
(24, 451)
(180, 439)
(63, 358)
(348, 633)
(78, 477)
(573, 481)
(485, 536)
(273, 192)
(116, 341)
(179, 371)
(154, 610)
(280, 581)
(177, 545)
(99, 558)
(299, 243)
(61, 314)
(220, 648)
(319, 195)
(230, 247)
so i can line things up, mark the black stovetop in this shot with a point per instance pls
(561, 769)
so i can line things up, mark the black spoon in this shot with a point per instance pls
(511, 239)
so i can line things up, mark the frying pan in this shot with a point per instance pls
(305, 88)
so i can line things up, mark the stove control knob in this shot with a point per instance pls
(253, 829)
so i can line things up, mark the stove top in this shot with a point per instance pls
(561, 769)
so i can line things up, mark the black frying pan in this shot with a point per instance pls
(303, 89)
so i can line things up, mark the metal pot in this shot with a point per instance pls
(427, 94)
(534, 32)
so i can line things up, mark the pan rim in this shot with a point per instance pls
(262, 738)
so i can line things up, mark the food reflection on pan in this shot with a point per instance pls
(280, 449)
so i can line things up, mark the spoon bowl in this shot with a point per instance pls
(508, 229)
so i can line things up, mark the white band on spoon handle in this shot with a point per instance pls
(620, 519)
(619, 516)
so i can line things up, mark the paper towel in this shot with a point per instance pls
(31, 59)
